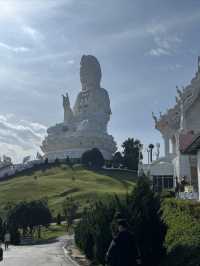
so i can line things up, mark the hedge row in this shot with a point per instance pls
(141, 209)
(167, 231)
(182, 240)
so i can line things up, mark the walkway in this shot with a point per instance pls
(37, 255)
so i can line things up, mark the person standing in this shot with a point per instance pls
(122, 250)
(7, 240)
(1, 252)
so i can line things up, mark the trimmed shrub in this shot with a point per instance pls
(93, 158)
(70, 208)
(117, 160)
(182, 240)
(93, 233)
(28, 216)
(142, 211)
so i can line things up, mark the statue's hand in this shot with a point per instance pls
(83, 125)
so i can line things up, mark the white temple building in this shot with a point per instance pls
(85, 125)
(179, 126)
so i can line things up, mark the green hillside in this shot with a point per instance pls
(55, 183)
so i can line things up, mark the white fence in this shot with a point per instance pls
(11, 170)
(188, 195)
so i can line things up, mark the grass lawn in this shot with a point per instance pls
(53, 231)
(55, 183)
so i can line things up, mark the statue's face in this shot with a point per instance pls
(90, 72)
(84, 75)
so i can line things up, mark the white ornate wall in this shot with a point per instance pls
(193, 116)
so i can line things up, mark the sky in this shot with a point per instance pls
(145, 48)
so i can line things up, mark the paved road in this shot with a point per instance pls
(37, 255)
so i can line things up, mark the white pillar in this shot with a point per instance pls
(198, 171)
(166, 142)
(173, 140)
(184, 167)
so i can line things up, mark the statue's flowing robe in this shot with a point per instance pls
(93, 105)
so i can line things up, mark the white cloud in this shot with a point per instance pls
(32, 33)
(50, 57)
(177, 22)
(19, 138)
(14, 49)
(19, 9)
(159, 51)
(166, 43)
(175, 67)
(71, 62)
(156, 28)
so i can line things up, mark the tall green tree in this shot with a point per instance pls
(142, 210)
(93, 234)
(29, 216)
(117, 159)
(131, 153)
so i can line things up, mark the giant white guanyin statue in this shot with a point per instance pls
(85, 126)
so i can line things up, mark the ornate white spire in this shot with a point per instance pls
(182, 121)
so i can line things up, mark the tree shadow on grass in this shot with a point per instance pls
(121, 176)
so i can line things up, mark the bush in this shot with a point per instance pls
(108, 164)
(141, 209)
(57, 161)
(167, 194)
(117, 160)
(182, 240)
(58, 219)
(29, 216)
(92, 233)
(93, 158)
(15, 236)
(69, 162)
(70, 208)
(167, 232)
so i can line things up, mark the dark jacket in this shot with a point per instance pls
(122, 250)
(1, 253)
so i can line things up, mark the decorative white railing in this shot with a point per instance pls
(188, 195)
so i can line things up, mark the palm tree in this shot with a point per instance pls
(131, 153)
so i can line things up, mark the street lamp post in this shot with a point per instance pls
(151, 147)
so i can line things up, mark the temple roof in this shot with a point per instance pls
(192, 145)
(170, 121)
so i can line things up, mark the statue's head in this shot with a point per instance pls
(90, 72)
